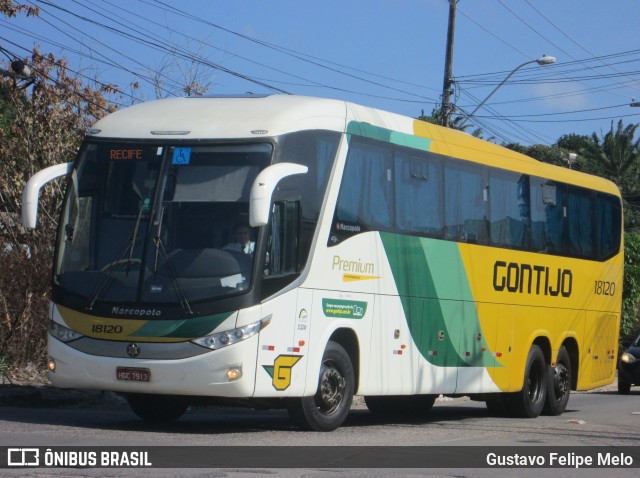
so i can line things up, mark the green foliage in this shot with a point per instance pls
(546, 154)
(456, 122)
(631, 291)
(39, 127)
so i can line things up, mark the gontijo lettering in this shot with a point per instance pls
(531, 279)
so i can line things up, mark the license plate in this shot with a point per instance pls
(134, 374)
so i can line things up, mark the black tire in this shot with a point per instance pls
(529, 402)
(400, 406)
(157, 408)
(624, 387)
(329, 407)
(559, 385)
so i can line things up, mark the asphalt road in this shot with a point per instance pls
(600, 418)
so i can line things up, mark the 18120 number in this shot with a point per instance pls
(603, 287)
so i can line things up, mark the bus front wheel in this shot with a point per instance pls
(157, 408)
(529, 402)
(328, 408)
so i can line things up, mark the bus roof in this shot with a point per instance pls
(254, 116)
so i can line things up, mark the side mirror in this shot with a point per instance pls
(32, 190)
(263, 187)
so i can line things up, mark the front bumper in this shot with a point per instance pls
(201, 375)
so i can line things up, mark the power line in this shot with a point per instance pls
(292, 53)
(164, 48)
(563, 33)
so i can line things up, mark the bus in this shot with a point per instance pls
(293, 252)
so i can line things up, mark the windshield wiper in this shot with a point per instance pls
(112, 267)
(173, 275)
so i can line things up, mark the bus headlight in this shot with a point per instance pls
(62, 333)
(230, 337)
(627, 358)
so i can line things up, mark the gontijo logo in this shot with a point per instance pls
(532, 279)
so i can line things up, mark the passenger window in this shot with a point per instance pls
(581, 239)
(547, 216)
(509, 209)
(364, 202)
(465, 204)
(418, 207)
(610, 225)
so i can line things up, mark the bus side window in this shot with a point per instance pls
(282, 249)
(465, 203)
(610, 226)
(509, 209)
(418, 203)
(581, 214)
(365, 199)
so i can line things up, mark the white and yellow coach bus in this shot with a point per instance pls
(291, 251)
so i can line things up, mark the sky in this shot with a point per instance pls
(387, 54)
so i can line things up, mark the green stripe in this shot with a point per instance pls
(437, 301)
(388, 136)
(187, 328)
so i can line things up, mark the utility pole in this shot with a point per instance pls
(447, 86)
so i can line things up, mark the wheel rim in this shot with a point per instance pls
(535, 384)
(331, 390)
(561, 381)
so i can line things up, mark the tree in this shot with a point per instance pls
(39, 127)
(631, 290)
(455, 123)
(546, 154)
(615, 156)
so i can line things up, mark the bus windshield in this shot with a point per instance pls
(159, 223)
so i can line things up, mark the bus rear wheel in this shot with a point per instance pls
(400, 406)
(559, 385)
(328, 408)
(529, 402)
(157, 408)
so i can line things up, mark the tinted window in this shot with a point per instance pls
(365, 194)
(509, 209)
(609, 225)
(580, 217)
(435, 196)
(547, 216)
(418, 207)
(465, 201)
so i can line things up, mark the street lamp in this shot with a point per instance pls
(543, 60)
